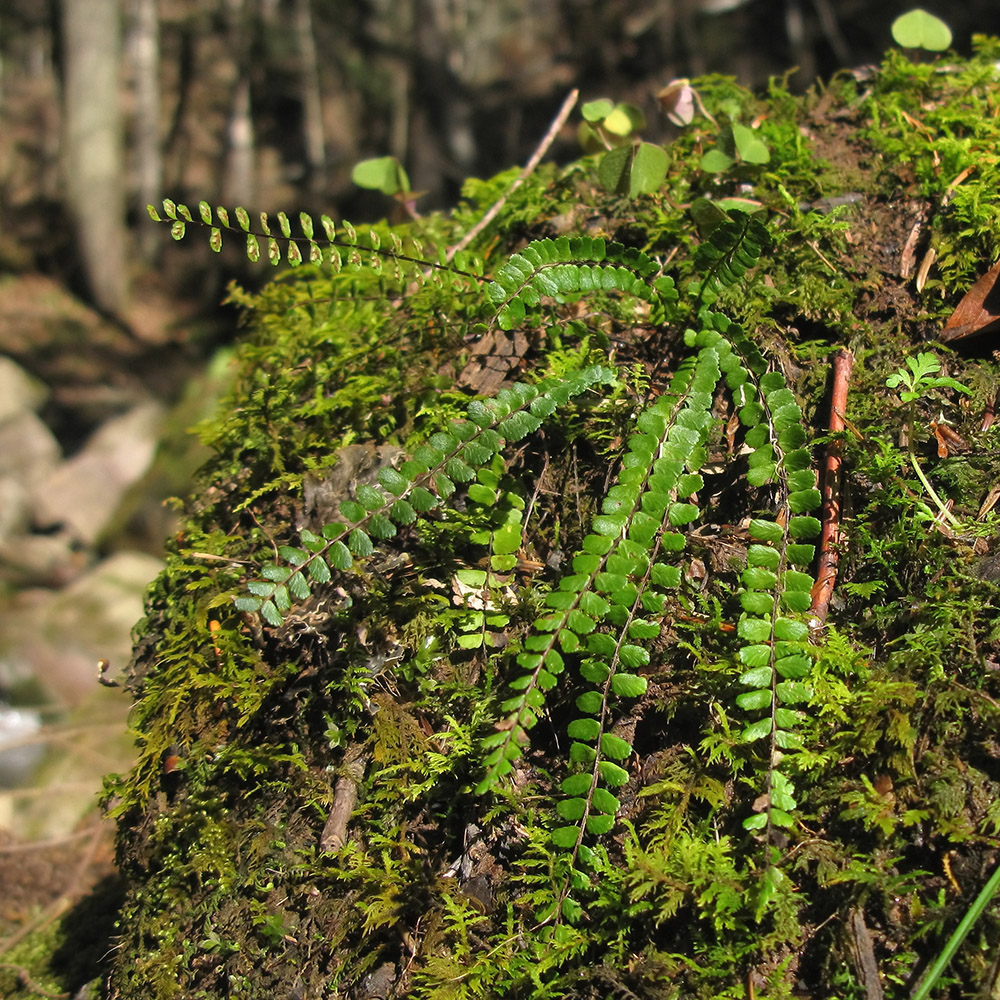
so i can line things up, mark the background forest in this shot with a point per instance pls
(115, 335)
(108, 104)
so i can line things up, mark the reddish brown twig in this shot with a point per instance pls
(826, 566)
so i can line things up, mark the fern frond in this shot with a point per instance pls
(281, 243)
(572, 265)
(419, 485)
(731, 249)
(614, 575)
(775, 656)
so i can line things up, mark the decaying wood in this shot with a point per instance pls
(492, 359)
(863, 955)
(345, 798)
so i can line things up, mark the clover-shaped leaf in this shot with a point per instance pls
(917, 29)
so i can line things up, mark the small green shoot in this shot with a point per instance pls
(917, 29)
(916, 382)
(384, 173)
(633, 170)
(958, 936)
(629, 167)
(920, 378)
(736, 144)
(607, 125)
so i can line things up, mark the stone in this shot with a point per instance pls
(51, 645)
(20, 754)
(29, 451)
(29, 560)
(28, 454)
(19, 391)
(83, 493)
(15, 510)
(60, 636)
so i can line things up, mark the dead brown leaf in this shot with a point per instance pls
(978, 312)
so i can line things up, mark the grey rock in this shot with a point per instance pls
(85, 491)
(29, 451)
(19, 391)
(65, 633)
(28, 454)
(15, 509)
(39, 560)
(19, 753)
(50, 644)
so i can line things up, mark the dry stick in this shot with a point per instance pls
(826, 567)
(24, 978)
(557, 124)
(345, 798)
(862, 949)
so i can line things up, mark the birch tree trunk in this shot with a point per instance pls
(238, 186)
(92, 142)
(144, 49)
(312, 95)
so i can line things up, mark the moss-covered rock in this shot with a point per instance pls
(303, 821)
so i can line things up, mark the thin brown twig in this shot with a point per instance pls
(536, 157)
(829, 556)
(24, 978)
(819, 253)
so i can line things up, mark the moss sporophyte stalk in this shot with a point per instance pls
(515, 689)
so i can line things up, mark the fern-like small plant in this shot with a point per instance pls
(602, 622)
(462, 454)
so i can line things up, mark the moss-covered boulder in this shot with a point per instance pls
(486, 662)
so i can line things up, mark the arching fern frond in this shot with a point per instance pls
(338, 247)
(732, 248)
(775, 656)
(639, 515)
(570, 266)
(403, 494)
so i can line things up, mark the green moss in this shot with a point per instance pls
(383, 682)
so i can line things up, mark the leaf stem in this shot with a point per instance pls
(941, 506)
(958, 936)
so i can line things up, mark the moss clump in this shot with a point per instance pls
(246, 873)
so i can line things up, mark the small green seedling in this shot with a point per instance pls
(914, 382)
(607, 125)
(384, 173)
(920, 378)
(629, 167)
(633, 170)
(736, 144)
(917, 29)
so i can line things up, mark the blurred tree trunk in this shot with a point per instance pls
(92, 144)
(144, 48)
(312, 95)
(238, 185)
